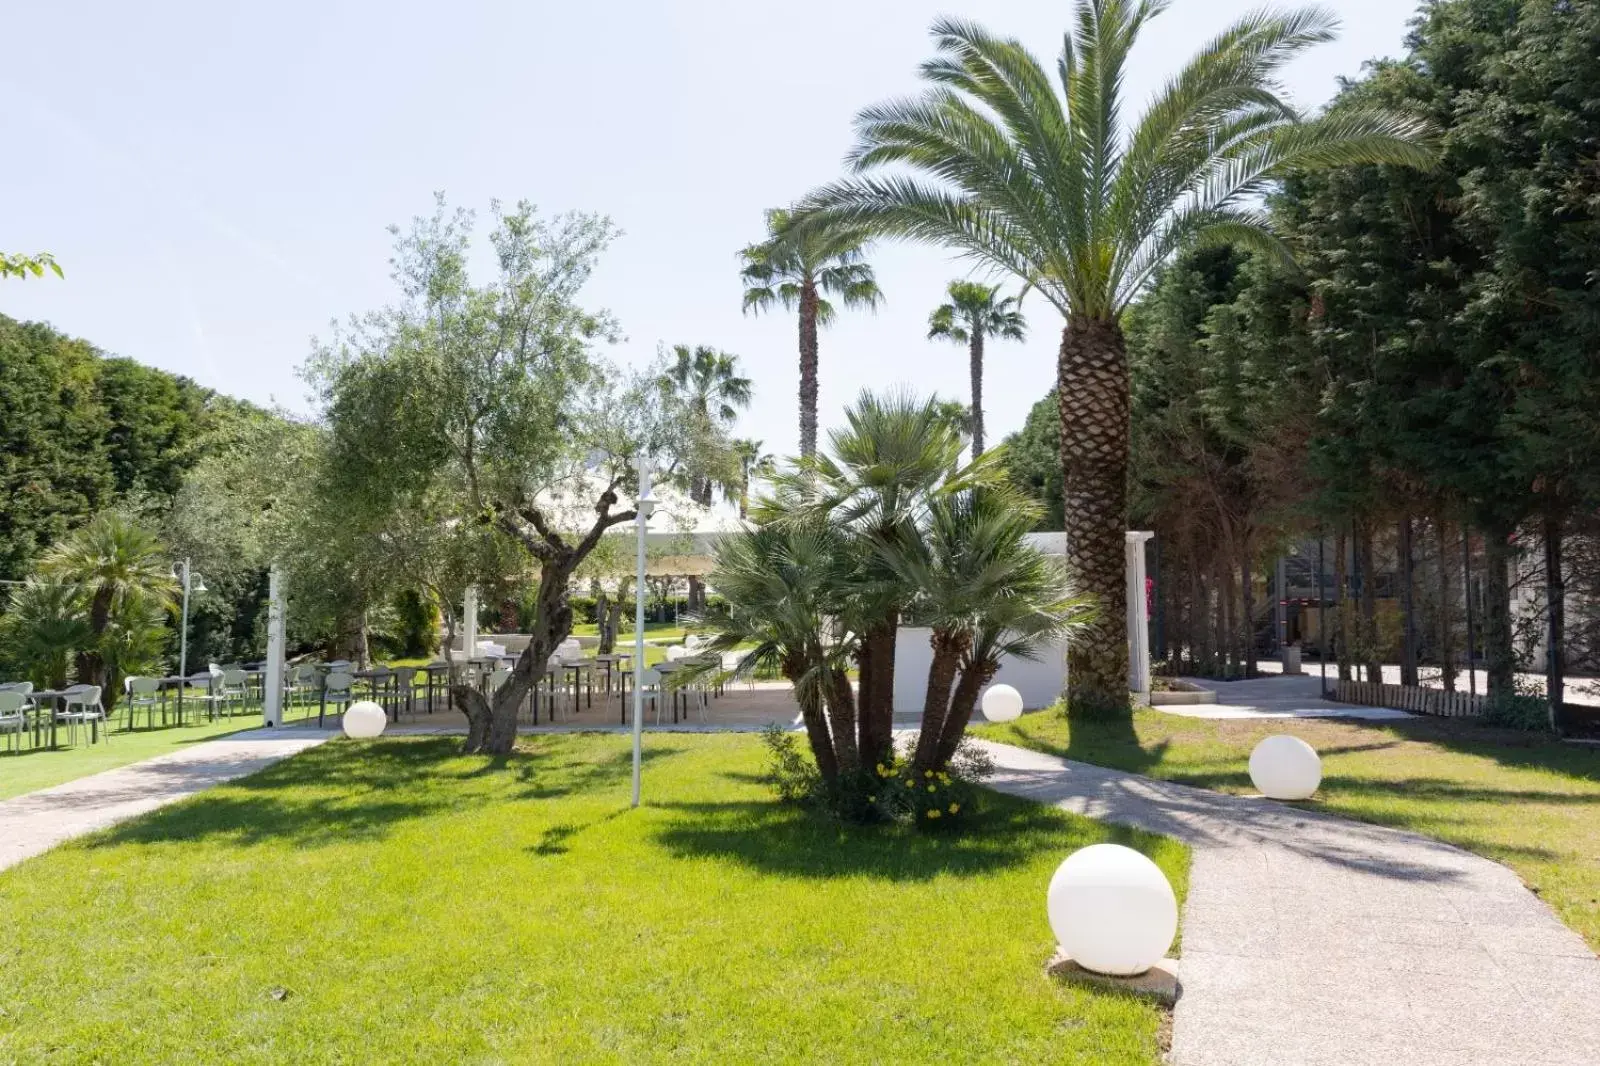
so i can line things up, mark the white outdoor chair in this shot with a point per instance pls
(336, 689)
(650, 687)
(81, 705)
(205, 689)
(300, 682)
(143, 692)
(233, 687)
(13, 717)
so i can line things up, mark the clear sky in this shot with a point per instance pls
(216, 178)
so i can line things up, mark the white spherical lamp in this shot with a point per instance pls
(1285, 768)
(364, 720)
(1002, 703)
(1112, 910)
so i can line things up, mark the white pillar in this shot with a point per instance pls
(1138, 617)
(469, 623)
(272, 683)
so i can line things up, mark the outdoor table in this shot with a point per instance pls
(430, 672)
(666, 668)
(39, 695)
(389, 684)
(576, 665)
(610, 661)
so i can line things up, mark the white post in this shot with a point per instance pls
(272, 684)
(644, 505)
(469, 624)
(183, 629)
(1138, 617)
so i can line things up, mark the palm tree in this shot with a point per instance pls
(43, 628)
(753, 463)
(1046, 182)
(974, 312)
(122, 577)
(803, 270)
(783, 585)
(708, 384)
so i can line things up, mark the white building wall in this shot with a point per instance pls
(1040, 683)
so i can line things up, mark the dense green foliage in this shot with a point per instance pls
(1430, 366)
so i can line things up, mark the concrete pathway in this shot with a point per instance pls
(1585, 690)
(1295, 696)
(38, 821)
(1314, 941)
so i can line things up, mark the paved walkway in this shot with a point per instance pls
(1309, 940)
(38, 821)
(1295, 696)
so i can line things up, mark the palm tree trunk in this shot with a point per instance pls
(1447, 639)
(841, 703)
(1369, 604)
(875, 708)
(1341, 612)
(973, 677)
(975, 352)
(808, 368)
(1092, 398)
(947, 649)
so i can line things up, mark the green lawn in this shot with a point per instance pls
(35, 768)
(393, 902)
(1526, 801)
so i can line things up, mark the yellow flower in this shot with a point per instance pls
(933, 814)
(930, 788)
(872, 799)
(927, 773)
(945, 778)
(955, 807)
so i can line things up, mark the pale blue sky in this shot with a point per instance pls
(216, 180)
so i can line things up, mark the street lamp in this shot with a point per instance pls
(192, 582)
(644, 505)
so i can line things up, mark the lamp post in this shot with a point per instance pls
(644, 505)
(192, 582)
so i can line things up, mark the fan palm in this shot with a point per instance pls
(119, 570)
(753, 463)
(803, 270)
(974, 313)
(783, 584)
(890, 460)
(44, 626)
(1042, 179)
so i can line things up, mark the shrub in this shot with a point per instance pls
(888, 792)
(1522, 711)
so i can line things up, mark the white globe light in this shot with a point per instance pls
(1285, 768)
(1112, 910)
(364, 720)
(1002, 703)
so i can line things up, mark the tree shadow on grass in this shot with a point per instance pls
(342, 792)
(791, 841)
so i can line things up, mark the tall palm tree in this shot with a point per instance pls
(973, 313)
(802, 270)
(713, 392)
(1043, 179)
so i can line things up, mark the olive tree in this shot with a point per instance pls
(484, 405)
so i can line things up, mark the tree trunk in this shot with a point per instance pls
(975, 353)
(1408, 624)
(1092, 400)
(697, 596)
(841, 703)
(1224, 614)
(1500, 661)
(947, 650)
(1248, 594)
(816, 722)
(552, 622)
(974, 676)
(1369, 604)
(808, 367)
(1341, 614)
(1447, 641)
(875, 709)
(509, 622)
(1555, 586)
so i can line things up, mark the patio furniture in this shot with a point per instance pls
(81, 705)
(207, 689)
(13, 718)
(300, 682)
(405, 680)
(336, 689)
(143, 692)
(233, 687)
